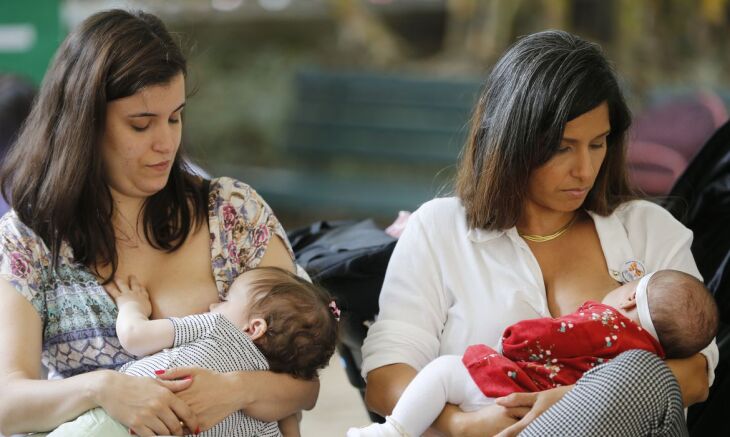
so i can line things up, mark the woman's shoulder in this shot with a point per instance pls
(241, 225)
(441, 211)
(225, 187)
(16, 235)
(226, 192)
(441, 222)
(645, 214)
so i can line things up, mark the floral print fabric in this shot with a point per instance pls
(77, 314)
(541, 354)
(241, 225)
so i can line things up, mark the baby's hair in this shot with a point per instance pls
(683, 312)
(302, 330)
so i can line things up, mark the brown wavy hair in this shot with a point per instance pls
(53, 177)
(301, 330)
(542, 82)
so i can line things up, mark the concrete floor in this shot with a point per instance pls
(339, 406)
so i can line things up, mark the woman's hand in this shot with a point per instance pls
(209, 396)
(147, 406)
(535, 403)
(487, 421)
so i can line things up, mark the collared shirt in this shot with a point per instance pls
(448, 286)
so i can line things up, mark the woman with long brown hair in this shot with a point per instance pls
(543, 220)
(100, 191)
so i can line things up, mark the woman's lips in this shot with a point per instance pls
(160, 166)
(576, 192)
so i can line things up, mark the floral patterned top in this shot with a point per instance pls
(79, 317)
(540, 354)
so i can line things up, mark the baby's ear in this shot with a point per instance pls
(256, 328)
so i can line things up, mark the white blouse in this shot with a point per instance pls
(448, 286)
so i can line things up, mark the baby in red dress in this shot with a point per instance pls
(669, 313)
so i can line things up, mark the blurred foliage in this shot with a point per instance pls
(241, 69)
(240, 88)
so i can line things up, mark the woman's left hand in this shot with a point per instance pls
(209, 396)
(537, 402)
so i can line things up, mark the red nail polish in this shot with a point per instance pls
(197, 430)
(159, 372)
(132, 432)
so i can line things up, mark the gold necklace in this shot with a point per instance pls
(544, 238)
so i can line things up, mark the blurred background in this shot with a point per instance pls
(358, 108)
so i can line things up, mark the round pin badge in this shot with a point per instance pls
(632, 270)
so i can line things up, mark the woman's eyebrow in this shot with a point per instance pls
(152, 114)
(575, 140)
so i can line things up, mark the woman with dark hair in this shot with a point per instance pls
(543, 220)
(100, 191)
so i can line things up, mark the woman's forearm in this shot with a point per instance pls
(691, 374)
(270, 396)
(385, 385)
(30, 405)
(448, 423)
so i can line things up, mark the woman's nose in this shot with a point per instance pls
(165, 140)
(582, 166)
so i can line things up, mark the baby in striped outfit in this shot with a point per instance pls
(270, 320)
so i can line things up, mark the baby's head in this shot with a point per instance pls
(288, 318)
(678, 306)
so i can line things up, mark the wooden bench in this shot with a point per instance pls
(365, 144)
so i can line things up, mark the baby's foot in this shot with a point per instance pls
(388, 429)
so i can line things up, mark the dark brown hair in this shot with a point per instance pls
(53, 177)
(542, 82)
(683, 312)
(302, 330)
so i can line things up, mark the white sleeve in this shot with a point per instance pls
(412, 305)
(663, 241)
(712, 354)
(666, 244)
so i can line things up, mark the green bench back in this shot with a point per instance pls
(379, 117)
(366, 145)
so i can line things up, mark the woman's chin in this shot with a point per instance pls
(142, 191)
(573, 204)
(567, 208)
(152, 187)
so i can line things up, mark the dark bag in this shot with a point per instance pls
(701, 200)
(349, 259)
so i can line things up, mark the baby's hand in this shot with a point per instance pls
(134, 294)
